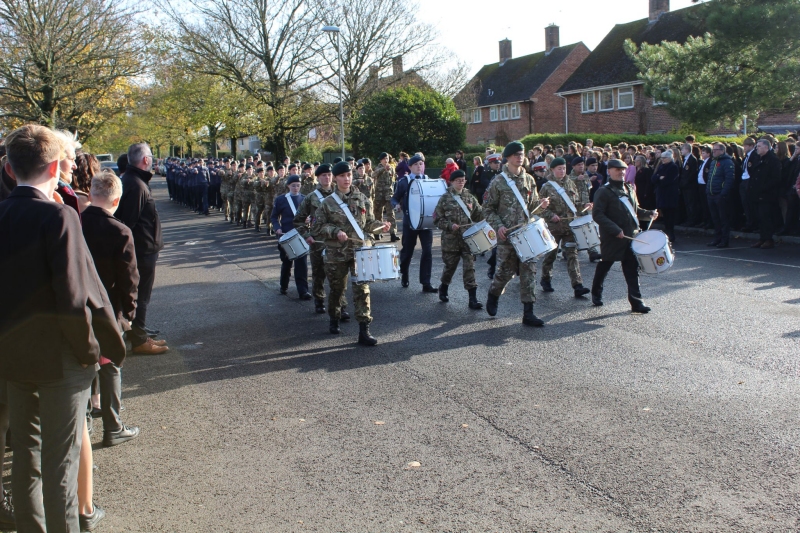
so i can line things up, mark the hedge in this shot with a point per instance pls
(614, 139)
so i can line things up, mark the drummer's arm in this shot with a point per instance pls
(440, 216)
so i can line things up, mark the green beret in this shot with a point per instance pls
(557, 162)
(513, 148)
(340, 168)
(457, 174)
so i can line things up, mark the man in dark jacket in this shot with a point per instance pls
(286, 206)
(137, 210)
(688, 186)
(665, 182)
(764, 189)
(720, 184)
(616, 211)
(55, 321)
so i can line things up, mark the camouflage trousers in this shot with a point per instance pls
(260, 207)
(507, 265)
(451, 260)
(229, 205)
(338, 272)
(570, 250)
(386, 205)
(318, 274)
(246, 205)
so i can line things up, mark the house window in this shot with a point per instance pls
(514, 111)
(657, 102)
(625, 98)
(503, 112)
(493, 113)
(477, 116)
(587, 102)
(606, 100)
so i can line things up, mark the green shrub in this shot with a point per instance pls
(601, 139)
(306, 152)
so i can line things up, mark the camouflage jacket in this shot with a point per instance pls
(501, 207)
(383, 179)
(308, 185)
(448, 212)
(309, 209)
(366, 185)
(261, 187)
(246, 186)
(558, 206)
(582, 185)
(330, 220)
(280, 186)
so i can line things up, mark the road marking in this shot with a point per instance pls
(743, 260)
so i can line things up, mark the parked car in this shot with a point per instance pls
(111, 165)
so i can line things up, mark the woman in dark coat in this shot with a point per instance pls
(665, 180)
(475, 180)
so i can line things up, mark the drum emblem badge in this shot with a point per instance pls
(492, 235)
(661, 260)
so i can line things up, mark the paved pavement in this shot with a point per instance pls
(685, 419)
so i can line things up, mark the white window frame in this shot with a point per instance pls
(503, 114)
(514, 114)
(477, 116)
(584, 103)
(465, 117)
(622, 91)
(493, 114)
(600, 100)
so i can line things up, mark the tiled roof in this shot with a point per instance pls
(608, 64)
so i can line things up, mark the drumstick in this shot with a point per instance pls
(637, 240)
(585, 209)
(652, 219)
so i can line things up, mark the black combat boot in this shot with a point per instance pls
(404, 279)
(334, 326)
(637, 305)
(597, 299)
(344, 315)
(546, 285)
(528, 318)
(594, 256)
(319, 306)
(364, 336)
(473, 299)
(443, 292)
(580, 290)
(491, 304)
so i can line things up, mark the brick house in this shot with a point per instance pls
(516, 96)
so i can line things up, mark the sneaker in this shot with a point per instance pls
(149, 348)
(112, 438)
(89, 522)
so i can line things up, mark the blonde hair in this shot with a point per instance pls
(69, 141)
(107, 185)
(30, 148)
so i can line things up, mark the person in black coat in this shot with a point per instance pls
(665, 180)
(689, 187)
(617, 221)
(283, 222)
(764, 189)
(475, 180)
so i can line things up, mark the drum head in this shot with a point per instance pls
(474, 229)
(581, 221)
(654, 240)
(415, 203)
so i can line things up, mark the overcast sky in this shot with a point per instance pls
(473, 28)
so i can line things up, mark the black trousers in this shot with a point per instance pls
(146, 264)
(668, 216)
(691, 198)
(300, 272)
(110, 396)
(720, 214)
(409, 242)
(630, 269)
(766, 218)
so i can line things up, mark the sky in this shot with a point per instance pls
(471, 29)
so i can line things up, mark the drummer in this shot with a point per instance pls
(283, 222)
(343, 231)
(509, 202)
(456, 210)
(563, 196)
(616, 211)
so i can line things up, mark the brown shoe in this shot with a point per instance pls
(158, 342)
(767, 245)
(759, 244)
(150, 348)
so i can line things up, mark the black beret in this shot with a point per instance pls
(383, 155)
(280, 167)
(415, 159)
(307, 166)
(294, 178)
(316, 163)
(366, 161)
(458, 174)
(322, 169)
(292, 166)
(616, 163)
(557, 162)
(577, 161)
(270, 168)
(512, 148)
(340, 168)
(591, 161)
(249, 165)
(337, 160)
(360, 164)
(350, 158)
(260, 169)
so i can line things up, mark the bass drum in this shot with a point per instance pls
(423, 195)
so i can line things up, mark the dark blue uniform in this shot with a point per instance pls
(283, 219)
(410, 236)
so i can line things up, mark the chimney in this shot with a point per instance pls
(505, 51)
(397, 66)
(551, 40)
(658, 8)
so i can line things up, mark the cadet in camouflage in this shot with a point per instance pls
(383, 179)
(308, 183)
(363, 181)
(246, 185)
(260, 188)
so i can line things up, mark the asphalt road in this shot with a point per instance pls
(685, 419)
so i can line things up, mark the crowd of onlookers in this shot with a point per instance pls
(78, 249)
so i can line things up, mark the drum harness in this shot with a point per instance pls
(343, 207)
(627, 203)
(564, 196)
(513, 186)
(463, 207)
(288, 196)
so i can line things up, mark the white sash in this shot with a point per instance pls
(627, 204)
(343, 207)
(460, 203)
(517, 194)
(563, 194)
(288, 196)
(319, 195)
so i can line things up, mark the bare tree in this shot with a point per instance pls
(450, 82)
(66, 63)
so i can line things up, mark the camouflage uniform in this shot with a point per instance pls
(583, 185)
(454, 249)
(501, 208)
(260, 189)
(279, 189)
(339, 257)
(246, 195)
(383, 180)
(308, 184)
(560, 230)
(366, 185)
(223, 190)
(235, 197)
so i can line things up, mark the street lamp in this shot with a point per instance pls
(337, 31)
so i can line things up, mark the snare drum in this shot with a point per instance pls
(480, 238)
(423, 195)
(532, 241)
(655, 253)
(586, 232)
(376, 263)
(293, 245)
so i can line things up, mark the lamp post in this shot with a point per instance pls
(337, 31)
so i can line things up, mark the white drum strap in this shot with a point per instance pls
(343, 207)
(517, 194)
(629, 207)
(288, 196)
(563, 194)
(460, 203)
(319, 195)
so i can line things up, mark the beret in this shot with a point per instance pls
(260, 169)
(337, 160)
(292, 166)
(458, 174)
(294, 178)
(249, 165)
(577, 161)
(513, 148)
(270, 168)
(360, 164)
(616, 163)
(323, 169)
(591, 161)
(366, 161)
(557, 162)
(350, 158)
(307, 166)
(340, 168)
(415, 159)
(383, 155)
(280, 167)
